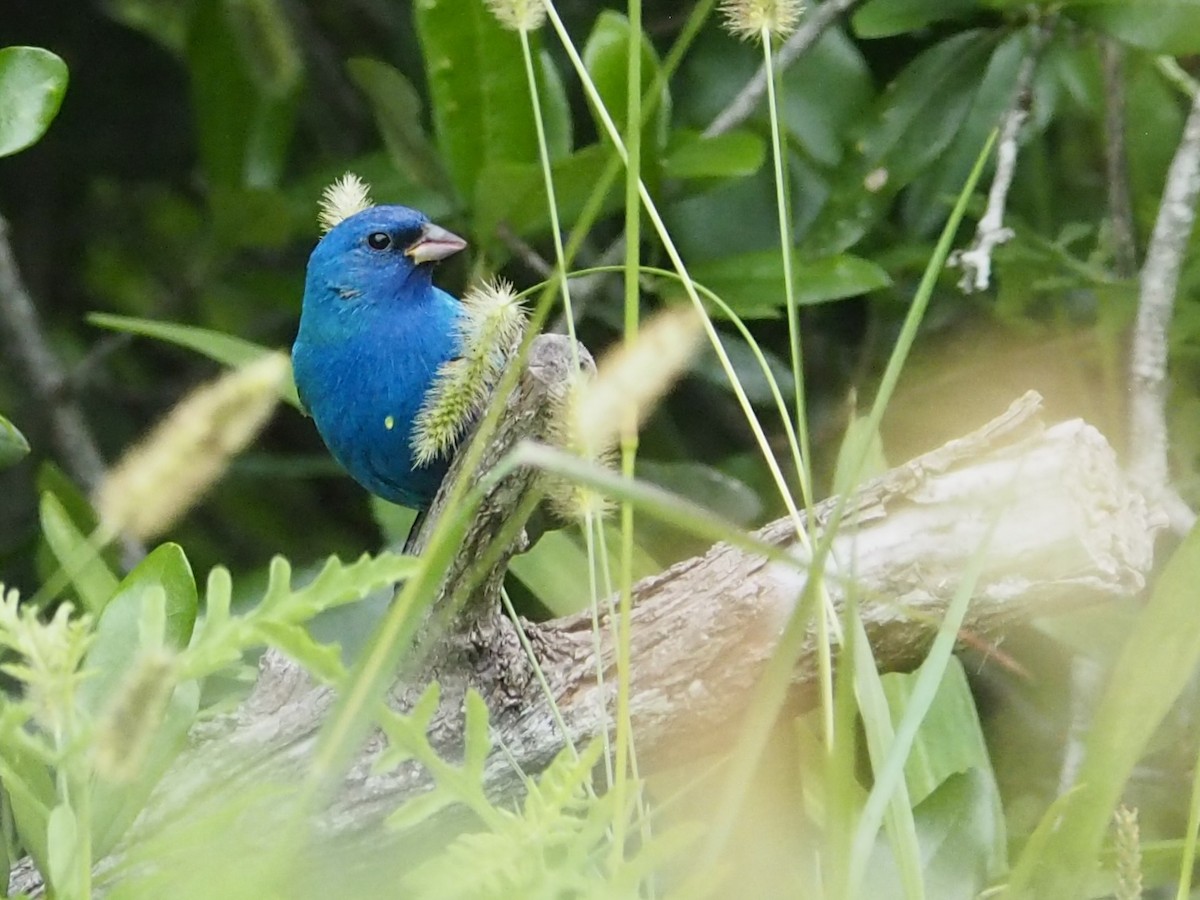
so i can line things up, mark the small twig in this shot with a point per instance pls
(815, 24)
(1156, 305)
(25, 343)
(976, 262)
(1116, 159)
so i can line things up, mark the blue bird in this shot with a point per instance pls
(373, 333)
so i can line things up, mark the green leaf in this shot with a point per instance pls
(420, 809)
(1169, 27)
(32, 84)
(606, 55)
(734, 154)
(223, 348)
(160, 585)
(752, 283)
(515, 194)
(117, 642)
(476, 75)
(79, 558)
(477, 737)
(958, 833)
(931, 195)
(62, 852)
(13, 446)
(398, 114)
(749, 373)
(908, 129)
(556, 107)
(27, 778)
(850, 452)
(1157, 662)
(950, 740)
(883, 18)
(245, 78)
(324, 661)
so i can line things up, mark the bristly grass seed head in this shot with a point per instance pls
(133, 718)
(342, 199)
(1127, 843)
(570, 501)
(489, 330)
(630, 381)
(164, 475)
(748, 19)
(519, 15)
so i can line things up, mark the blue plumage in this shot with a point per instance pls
(373, 332)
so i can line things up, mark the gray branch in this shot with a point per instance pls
(25, 344)
(976, 261)
(1156, 305)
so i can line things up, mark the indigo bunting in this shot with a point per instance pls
(373, 332)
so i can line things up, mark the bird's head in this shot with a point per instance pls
(377, 255)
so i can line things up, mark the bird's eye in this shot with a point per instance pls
(379, 240)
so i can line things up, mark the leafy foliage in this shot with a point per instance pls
(176, 193)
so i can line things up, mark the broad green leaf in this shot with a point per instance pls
(166, 21)
(1157, 662)
(481, 110)
(28, 781)
(79, 558)
(268, 43)
(950, 740)
(515, 194)
(246, 74)
(825, 92)
(556, 108)
(959, 829)
(13, 446)
(160, 586)
(752, 283)
(1169, 27)
(398, 114)
(883, 18)
(223, 348)
(63, 851)
(749, 373)
(606, 56)
(32, 84)
(731, 155)
(116, 806)
(931, 195)
(909, 128)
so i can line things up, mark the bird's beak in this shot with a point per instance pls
(435, 243)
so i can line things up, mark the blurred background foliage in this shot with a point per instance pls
(180, 180)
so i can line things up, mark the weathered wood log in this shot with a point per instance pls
(1062, 527)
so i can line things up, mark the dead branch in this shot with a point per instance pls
(1156, 306)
